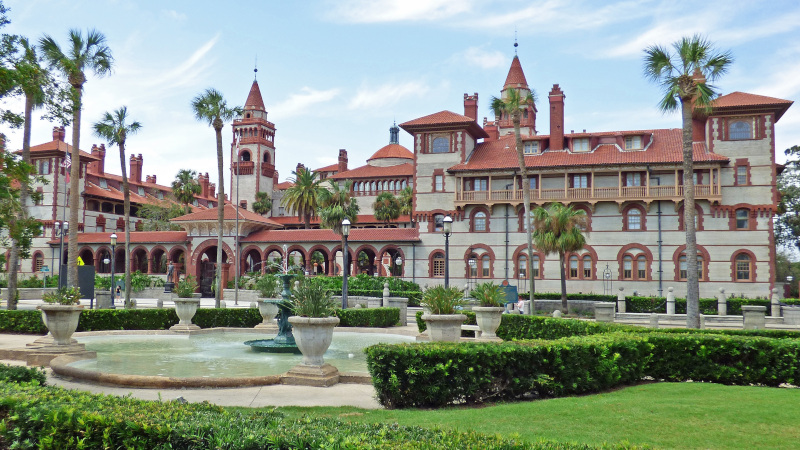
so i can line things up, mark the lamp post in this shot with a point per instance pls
(397, 263)
(447, 227)
(789, 279)
(62, 227)
(472, 265)
(345, 264)
(113, 257)
(236, 237)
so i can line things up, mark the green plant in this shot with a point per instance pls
(372, 317)
(22, 374)
(102, 283)
(140, 281)
(442, 300)
(489, 294)
(268, 286)
(64, 296)
(186, 287)
(312, 300)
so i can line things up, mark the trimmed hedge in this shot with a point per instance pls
(372, 317)
(708, 306)
(557, 296)
(52, 417)
(471, 320)
(520, 326)
(22, 321)
(127, 319)
(224, 317)
(440, 374)
(22, 374)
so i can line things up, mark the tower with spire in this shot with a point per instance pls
(252, 151)
(516, 81)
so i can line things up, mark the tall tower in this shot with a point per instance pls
(252, 151)
(516, 81)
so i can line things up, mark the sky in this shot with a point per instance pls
(337, 74)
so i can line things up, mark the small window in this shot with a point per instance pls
(641, 267)
(531, 147)
(38, 262)
(573, 267)
(744, 267)
(245, 156)
(682, 267)
(438, 265)
(532, 183)
(634, 219)
(473, 266)
(440, 145)
(104, 183)
(627, 268)
(633, 179)
(481, 184)
(438, 183)
(44, 167)
(161, 195)
(479, 221)
(580, 181)
(141, 191)
(587, 267)
(741, 175)
(535, 266)
(438, 222)
(633, 142)
(742, 219)
(580, 145)
(523, 267)
(485, 266)
(281, 211)
(741, 129)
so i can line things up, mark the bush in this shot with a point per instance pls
(127, 319)
(36, 282)
(519, 327)
(22, 321)
(372, 317)
(708, 306)
(22, 374)
(557, 296)
(186, 287)
(312, 300)
(224, 317)
(53, 417)
(63, 296)
(443, 300)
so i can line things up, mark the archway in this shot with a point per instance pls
(103, 255)
(388, 262)
(251, 261)
(273, 258)
(365, 261)
(206, 269)
(319, 261)
(158, 260)
(139, 260)
(87, 256)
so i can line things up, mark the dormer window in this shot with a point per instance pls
(161, 195)
(531, 147)
(633, 142)
(440, 145)
(580, 145)
(740, 130)
(103, 183)
(141, 191)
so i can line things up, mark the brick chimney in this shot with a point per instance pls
(491, 130)
(212, 190)
(342, 160)
(59, 134)
(300, 167)
(471, 106)
(699, 118)
(556, 118)
(98, 167)
(275, 177)
(203, 181)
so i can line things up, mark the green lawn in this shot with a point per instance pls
(663, 415)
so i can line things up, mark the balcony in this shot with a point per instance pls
(243, 168)
(267, 169)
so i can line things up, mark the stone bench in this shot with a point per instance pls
(474, 328)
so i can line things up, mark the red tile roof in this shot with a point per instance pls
(743, 100)
(254, 99)
(392, 151)
(400, 170)
(59, 146)
(113, 194)
(331, 168)
(282, 186)
(444, 119)
(229, 213)
(666, 148)
(516, 77)
(362, 219)
(137, 237)
(326, 235)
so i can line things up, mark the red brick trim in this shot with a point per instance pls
(430, 262)
(588, 250)
(487, 250)
(700, 251)
(643, 216)
(626, 251)
(475, 211)
(741, 162)
(523, 250)
(438, 172)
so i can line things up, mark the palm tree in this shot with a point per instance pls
(336, 204)
(406, 199)
(114, 128)
(303, 196)
(211, 107)
(31, 80)
(683, 76)
(558, 230)
(90, 53)
(512, 105)
(386, 207)
(263, 203)
(185, 188)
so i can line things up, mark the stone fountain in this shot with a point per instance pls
(284, 341)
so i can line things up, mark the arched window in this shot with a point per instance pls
(573, 266)
(437, 269)
(403, 184)
(744, 267)
(38, 262)
(440, 145)
(391, 185)
(522, 267)
(479, 222)
(245, 156)
(266, 157)
(682, 267)
(535, 267)
(524, 224)
(485, 266)
(587, 267)
(641, 267)
(472, 262)
(627, 267)
(741, 129)
(634, 219)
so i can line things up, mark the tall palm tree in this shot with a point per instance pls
(31, 80)
(212, 108)
(406, 199)
(114, 128)
(682, 76)
(512, 104)
(185, 188)
(558, 230)
(82, 53)
(303, 196)
(386, 207)
(336, 204)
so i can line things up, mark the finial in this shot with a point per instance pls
(515, 41)
(255, 69)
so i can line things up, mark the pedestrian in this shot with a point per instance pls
(118, 292)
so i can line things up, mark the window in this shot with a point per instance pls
(440, 145)
(104, 183)
(627, 267)
(742, 219)
(633, 179)
(634, 219)
(573, 267)
(682, 267)
(633, 142)
(741, 175)
(485, 266)
(477, 184)
(535, 266)
(580, 145)
(587, 267)
(525, 224)
(438, 222)
(472, 262)
(532, 183)
(479, 221)
(438, 265)
(161, 195)
(438, 183)
(531, 147)
(641, 267)
(741, 129)
(38, 262)
(141, 191)
(522, 267)
(281, 210)
(580, 181)
(744, 267)
(245, 156)
(44, 167)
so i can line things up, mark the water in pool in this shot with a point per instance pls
(216, 354)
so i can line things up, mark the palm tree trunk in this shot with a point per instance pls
(127, 213)
(692, 281)
(220, 217)
(526, 198)
(564, 304)
(74, 194)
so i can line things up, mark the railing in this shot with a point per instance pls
(243, 168)
(588, 194)
(267, 169)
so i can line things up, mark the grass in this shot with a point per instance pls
(662, 415)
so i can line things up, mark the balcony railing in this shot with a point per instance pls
(267, 169)
(243, 168)
(588, 194)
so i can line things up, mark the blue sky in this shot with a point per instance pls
(335, 74)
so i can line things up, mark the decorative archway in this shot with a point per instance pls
(139, 260)
(366, 259)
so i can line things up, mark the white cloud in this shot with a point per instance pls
(480, 57)
(300, 103)
(379, 11)
(173, 15)
(189, 70)
(371, 97)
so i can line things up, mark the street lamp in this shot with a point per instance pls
(62, 227)
(472, 265)
(397, 263)
(447, 227)
(345, 264)
(113, 257)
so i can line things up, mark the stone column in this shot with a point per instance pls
(604, 311)
(722, 303)
(386, 295)
(670, 301)
(621, 300)
(775, 302)
(653, 320)
(754, 317)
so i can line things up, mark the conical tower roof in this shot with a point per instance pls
(516, 77)
(254, 100)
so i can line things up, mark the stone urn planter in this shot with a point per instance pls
(62, 321)
(186, 309)
(313, 336)
(444, 327)
(268, 308)
(488, 319)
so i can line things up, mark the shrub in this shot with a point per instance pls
(127, 319)
(36, 282)
(140, 281)
(22, 321)
(22, 374)
(312, 300)
(708, 306)
(442, 300)
(489, 294)
(186, 287)
(63, 296)
(268, 286)
(224, 317)
(519, 326)
(372, 317)
(557, 296)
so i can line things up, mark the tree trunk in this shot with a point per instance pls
(74, 194)
(692, 281)
(220, 214)
(127, 213)
(564, 304)
(526, 198)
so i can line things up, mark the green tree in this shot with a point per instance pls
(157, 216)
(682, 76)
(386, 207)
(185, 188)
(263, 203)
(336, 204)
(512, 104)
(787, 226)
(303, 196)
(83, 53)
(406, 199)
(558, 230)
(212, 108)
(114, 128)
